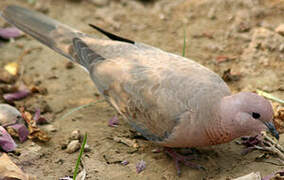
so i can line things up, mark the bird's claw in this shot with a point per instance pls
(178, 158)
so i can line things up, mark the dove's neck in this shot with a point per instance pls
(218, 130)
(224, 128)
(197, 129)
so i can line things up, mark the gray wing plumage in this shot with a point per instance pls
(84, 55)
(153, 89)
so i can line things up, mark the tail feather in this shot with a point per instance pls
(55, 35)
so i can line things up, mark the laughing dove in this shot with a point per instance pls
(171, 100)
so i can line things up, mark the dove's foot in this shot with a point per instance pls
(251, 142)
(184, 159)
(262, 142)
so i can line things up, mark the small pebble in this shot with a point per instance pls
(281, 47)
(40, 90)
(17, 152)
(124, 163)
(97, 94)
(49, 128)
(113, 122)
(73, 146)
(59, 161)
(6, 77)
(156, 150)
(33, 147)
(280, 29)
(75, 135)
(212, 13)
(7, 88)
(63, 144)
(100, 3)
(9, 115)
(140, 166)
(87, 148)
(42, 7)
(69, 65)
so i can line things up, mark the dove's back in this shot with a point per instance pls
(157, 92)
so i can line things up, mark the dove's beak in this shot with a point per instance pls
(272, 129)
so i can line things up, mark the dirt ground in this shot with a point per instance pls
(220, 34)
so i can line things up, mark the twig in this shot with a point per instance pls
(80, 107)
(269, 96)
(274, 163)
(272, 146)
(273, 142)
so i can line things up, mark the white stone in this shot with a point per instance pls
(73, 146)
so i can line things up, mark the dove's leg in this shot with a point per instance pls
(184, 159)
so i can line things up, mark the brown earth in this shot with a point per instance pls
(220, 34)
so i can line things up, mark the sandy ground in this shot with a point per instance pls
(220, 34)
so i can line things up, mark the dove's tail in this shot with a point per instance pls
(55, 35)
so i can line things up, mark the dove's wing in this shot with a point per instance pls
(153, 89)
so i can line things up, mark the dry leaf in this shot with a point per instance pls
(140, 166)
(278, 117)
(19, 130)
(251, 176)
(22, 92)
(10, 32)
(35, 132)
(9, 170)
(6, 141)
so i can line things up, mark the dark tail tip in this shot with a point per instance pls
(111, 36)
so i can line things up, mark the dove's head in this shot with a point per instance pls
(247, 113)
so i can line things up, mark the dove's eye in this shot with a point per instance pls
(255, 115)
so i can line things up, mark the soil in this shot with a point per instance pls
(220, 34)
